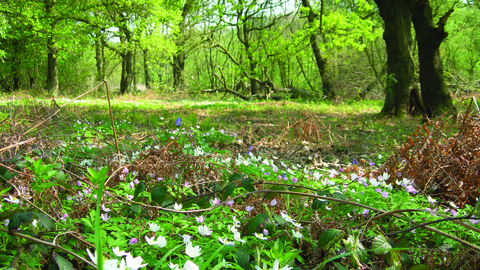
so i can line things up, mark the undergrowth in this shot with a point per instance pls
(234, 185)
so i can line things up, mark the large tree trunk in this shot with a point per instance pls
(145, 69)
(327, 88)
(179, 58)
(52, 68)
(99, 56)
(52, 49)
(400, 67)
(127, 72)
(435, 95)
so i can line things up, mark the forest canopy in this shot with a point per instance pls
(249, 48)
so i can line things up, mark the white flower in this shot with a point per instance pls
(177, 207)
(297, 234)
(385, 176)
(189, 265)
(276, 266)
(287, 217)
(354, 176)
(232, 228)
(374, 182)
(316, 175)
(297, 224)
(204, 230)
(191, 251)
(173, 266)
(453, 205)
(389, 186)
(260, 236)
(160, 242)
(236, 222)
(431, 200)
(135, 263)
(118, 253)
(113, 265)
(93, 257)
(237, 237)
(226, 242)
(153, 227)
(186, 238)
(13, 200)
(151, 240)
(34, 223)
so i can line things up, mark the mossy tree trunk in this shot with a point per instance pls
(435, 95)
(400, 66)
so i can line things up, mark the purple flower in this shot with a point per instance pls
(64, 217)
(453, 212)
(365, 213)
(132, 185)
(474, 221)
(79, 183)
(133, 241)
(187, 184)
(229, 203)
(121, 177)
(125, 170)
(249, 208)
(265, 232)
(371, 162)
(130, 197)
(295, 180)
(379, 190)
(199, 219)
(411, 189)
(178, 122)
(267, 173)
(340, 169)
(216, 201)
(284, 176)
(433, 211)
(104, 216)
(355, 161)
(273, 202)
(159, 179)
(275, 169)
(136, 181)
(385, 194)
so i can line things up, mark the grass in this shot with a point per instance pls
(297, 185)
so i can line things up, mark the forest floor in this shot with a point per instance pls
(299, 139)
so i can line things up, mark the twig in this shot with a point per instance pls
(33, 239)
(113, 125)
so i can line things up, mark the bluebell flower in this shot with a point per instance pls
(178, 122)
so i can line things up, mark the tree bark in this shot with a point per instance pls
(435, 95)
(52, 68)
(99, 56)
(145, 69)
(127, 72)
(400, 67)
(179, 57)
(52, 55)
(327, 88)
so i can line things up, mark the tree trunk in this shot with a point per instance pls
(127, 72)
(145, 69)
(100, 75)
(52, 69)
(327, 88)
(52, 49)
(435, 95)
(400, 67)
(134, 70)
(178, 68)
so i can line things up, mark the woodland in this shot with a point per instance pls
(239, 134)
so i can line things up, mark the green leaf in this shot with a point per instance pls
(138, 189)
(316, 204)
(242, 257)
(18, 218)
(45, 221)
(393, 258)
(279, 220)
(328, 236)
(158, 194)
(339, 266)
(236, 176)
(380, 245)
(5, 174)
(338, 195)
(136, 209)
(406, 259)
(62, 263)
(247, 184)
(228, 190)
(420, 267)
(255, 223)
